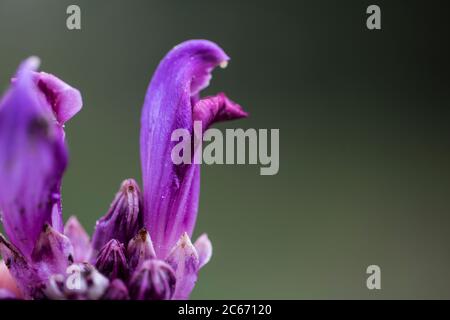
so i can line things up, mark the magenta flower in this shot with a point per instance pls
(141, 249)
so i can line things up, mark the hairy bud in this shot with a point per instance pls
(154, 280)
(111, 260)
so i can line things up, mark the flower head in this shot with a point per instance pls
(141, 248)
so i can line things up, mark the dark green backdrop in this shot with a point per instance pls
(363, 117)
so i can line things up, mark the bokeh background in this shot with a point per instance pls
(364, 124)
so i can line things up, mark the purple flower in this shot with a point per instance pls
(141, 248)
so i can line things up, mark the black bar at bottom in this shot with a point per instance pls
(223, 309)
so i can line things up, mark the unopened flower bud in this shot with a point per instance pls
(117, 290)
(123, 218)
(111, 260)
(154, 280)
(140, 249)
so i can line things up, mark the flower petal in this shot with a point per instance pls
(140, 249)
(171, 191)
(123, 220)
(217, 108)
(32, 160)
(79, 238)
(204, 249)
(53, 252)
(185, 262)
(65, 100)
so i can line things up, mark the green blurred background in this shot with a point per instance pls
(364, 125)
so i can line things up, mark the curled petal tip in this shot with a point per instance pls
(33, 157)
(224, 64)
(217, 108)
(204, 249)
(64, 100)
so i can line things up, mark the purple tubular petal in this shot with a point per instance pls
(171, 192)
(204, 249)
(33, 155)
(111, 260)
(53, 252)
(154, 280)
(185, 262)
(140, 248)
(123, 218)
(20, 268)
(79, 239)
